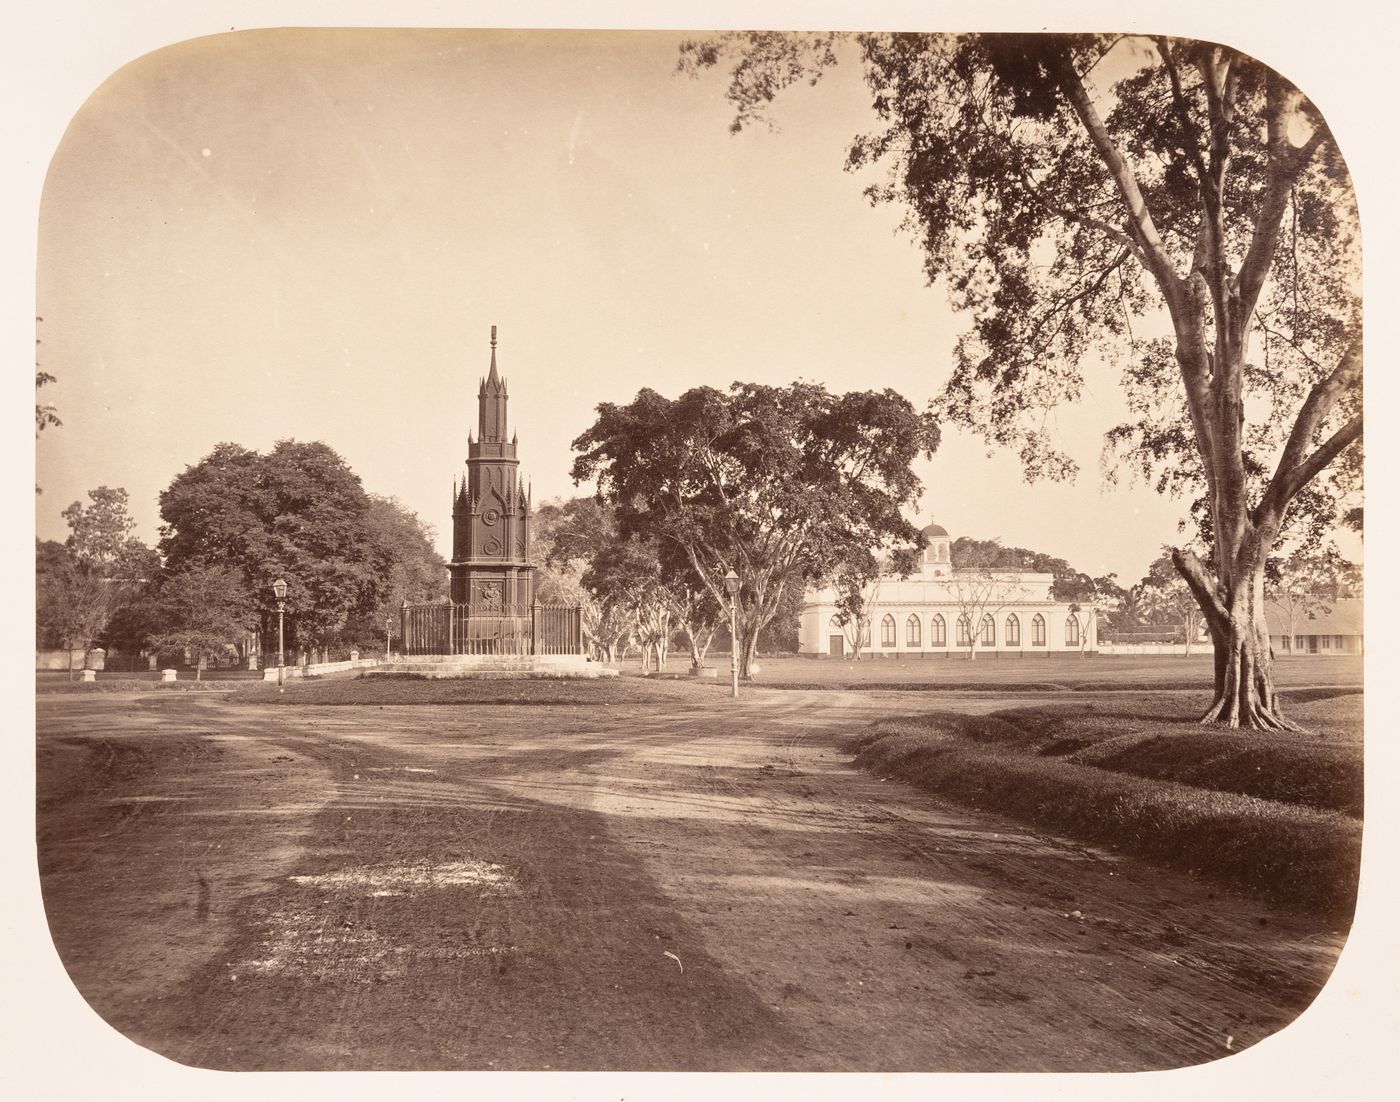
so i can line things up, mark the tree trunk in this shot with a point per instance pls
(1245, 694)
(699, 647)
(749, 643)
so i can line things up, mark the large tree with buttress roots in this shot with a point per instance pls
(1173, 207)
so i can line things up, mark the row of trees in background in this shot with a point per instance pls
(232, 524)
(95, 576)
(648, 576)
(1304, 583)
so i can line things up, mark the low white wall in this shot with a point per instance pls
(319, 669)
(58, 659)
(1152, 648)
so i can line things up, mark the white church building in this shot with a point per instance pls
(931, 613)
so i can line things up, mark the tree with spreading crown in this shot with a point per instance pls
(1075, 190)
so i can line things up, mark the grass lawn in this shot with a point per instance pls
(1274, 814)
(127, 683)
(386, 690)
(987, 673)
(1013, 673)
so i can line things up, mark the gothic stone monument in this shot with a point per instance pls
(491, 511)
(492, 623)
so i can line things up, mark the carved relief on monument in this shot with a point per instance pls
(490, 595)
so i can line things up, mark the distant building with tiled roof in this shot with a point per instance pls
(1334, 628)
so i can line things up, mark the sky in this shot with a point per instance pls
(308, 234)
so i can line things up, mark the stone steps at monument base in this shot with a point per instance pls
(484, 666)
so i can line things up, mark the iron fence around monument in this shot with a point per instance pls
(500, 630)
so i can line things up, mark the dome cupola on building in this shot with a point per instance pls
(938, 549)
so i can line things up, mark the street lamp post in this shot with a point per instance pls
(731, 586)
(279, 590)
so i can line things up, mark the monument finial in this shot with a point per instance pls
(492, 383)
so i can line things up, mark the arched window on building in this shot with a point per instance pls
(937, 632)
(964, 631)
(887, 631)
(1038, 631)
(912, 633)
(836, 623)
(1071, 630)
(1013, 631)
(989, 632)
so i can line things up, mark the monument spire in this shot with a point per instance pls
(491, 422)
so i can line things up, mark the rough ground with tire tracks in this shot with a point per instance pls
(684, 886)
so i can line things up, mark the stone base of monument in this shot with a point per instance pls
(493, 665)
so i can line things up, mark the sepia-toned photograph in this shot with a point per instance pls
(662, 550)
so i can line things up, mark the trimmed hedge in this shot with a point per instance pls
(1296, 855)
(1157, 737)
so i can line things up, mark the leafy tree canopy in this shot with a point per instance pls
(203, 610)
(98, 575)
(405, 563)
(99, 533)
(45, 413)
(299, 513)
(73, 603)
(773, 483)
(572, 531)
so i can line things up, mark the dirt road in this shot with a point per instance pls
(699, 887)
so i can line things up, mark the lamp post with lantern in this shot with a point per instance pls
(279, 590)
(731, 586)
